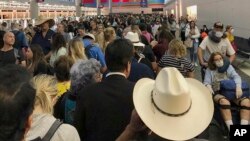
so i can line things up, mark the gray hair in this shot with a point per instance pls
(83, 72)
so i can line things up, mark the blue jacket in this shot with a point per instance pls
(95, 52)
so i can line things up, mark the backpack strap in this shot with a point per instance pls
(141, 57)
(52, 130)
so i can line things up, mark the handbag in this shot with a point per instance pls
(188, 43)
(228, 89)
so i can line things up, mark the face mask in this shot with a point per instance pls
(232, 31)
(219, 63)
(218, 34)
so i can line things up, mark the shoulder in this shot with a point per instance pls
(66, 132)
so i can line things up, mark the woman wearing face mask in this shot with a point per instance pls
(229, 32)
(219, 69)
(193, 32)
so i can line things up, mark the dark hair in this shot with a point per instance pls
(131, 21)
(191, 23)
(17, 97)
(38, 56)
(143, 27)
(1, 38)
(228, 27)
(218, 25)
(58, 41)
(211, 64)
(4, 24)
(62, 68)
(118, 53)
(165, 35)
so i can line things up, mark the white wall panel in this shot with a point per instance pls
(234, 12)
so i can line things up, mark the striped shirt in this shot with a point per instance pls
(182, 64)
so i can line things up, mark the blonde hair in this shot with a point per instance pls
(46, 91)
(76, 49)
(177, 48)
(109, 35)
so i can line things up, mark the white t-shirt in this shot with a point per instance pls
(224, 47)
(55, 55)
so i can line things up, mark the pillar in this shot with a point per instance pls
(98, 3)
(78, 8)
(110, 6)
(34, 9)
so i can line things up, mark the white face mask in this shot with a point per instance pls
(218, 34)
(219, 63)
(232, 31)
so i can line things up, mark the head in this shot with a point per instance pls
(81, 30)
(9, 39)
(192, 24)
(15, 26)
(60, 28)
(35, 52)
(83, 73)
(93, 24)
(218, 29)
(4, 25)
(46, 91)
(134, 28)
(62, 67)
(109, 34)
(229, 29)
(143, 27)
(58, 41)
(100, 28)
(215, 61)
(131, 21)
(177, 48)
(45, 26)
(118, 56)
(17, 97)
(76, 49)
(165, 35)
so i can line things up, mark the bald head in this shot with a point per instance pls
(9, 39)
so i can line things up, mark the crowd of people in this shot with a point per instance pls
(118, 77)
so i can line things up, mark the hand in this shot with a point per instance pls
(204, 64)
(210, 89)
(238, 92)
(136, 123)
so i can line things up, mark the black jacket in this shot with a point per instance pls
(103, 110)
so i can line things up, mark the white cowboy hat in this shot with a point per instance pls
(89, 35)
(134, 38)
(42, 20)
(173, 107)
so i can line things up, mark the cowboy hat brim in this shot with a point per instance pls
(175, 128)
(139, 44)
(42, 21)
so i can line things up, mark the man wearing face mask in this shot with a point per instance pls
(216, 41)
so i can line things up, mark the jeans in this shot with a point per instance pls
(193, 52)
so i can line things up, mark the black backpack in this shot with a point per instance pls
(64, 109)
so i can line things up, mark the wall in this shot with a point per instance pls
(233, 12)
